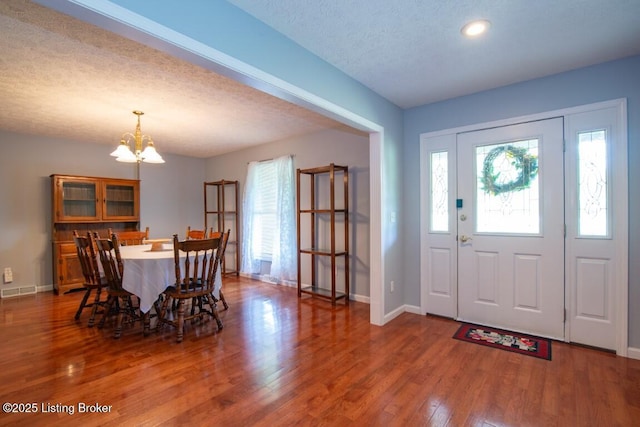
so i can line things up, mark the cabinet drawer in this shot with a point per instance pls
(67, 248)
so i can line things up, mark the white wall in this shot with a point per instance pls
(343, 147)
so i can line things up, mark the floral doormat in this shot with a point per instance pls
(505, 340)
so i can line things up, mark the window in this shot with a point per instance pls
(268, 220)
(440, 191)
(507, 189)
(593, 194)
(265, 209)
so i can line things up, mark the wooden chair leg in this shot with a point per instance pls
(157, 305)
(197, 301)
(194, 302)
(162, 310)
(107, 310)
(180, 320)
(224, 302)
(94, 309)
(214, 312)
(83, 303)
(147, 324)
(117, 332)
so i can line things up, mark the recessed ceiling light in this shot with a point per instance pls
(475, 28)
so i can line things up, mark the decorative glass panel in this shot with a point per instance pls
(592, 184)
(440, 191)
(507, 191)
(120, 200)
(79, 199)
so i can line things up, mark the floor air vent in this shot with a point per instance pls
(14, 292)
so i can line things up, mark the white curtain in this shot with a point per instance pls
(250, 263)
(284, 259)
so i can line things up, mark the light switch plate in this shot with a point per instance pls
(8, 275)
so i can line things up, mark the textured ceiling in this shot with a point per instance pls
(412, 53)
(60, 77)
(65, 78)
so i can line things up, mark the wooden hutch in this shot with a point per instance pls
(84, 204)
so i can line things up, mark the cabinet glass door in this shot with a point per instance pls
(120, 201)
(78, 200)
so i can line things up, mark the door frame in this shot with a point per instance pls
(621, 283)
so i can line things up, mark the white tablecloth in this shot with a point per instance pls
(147, 274)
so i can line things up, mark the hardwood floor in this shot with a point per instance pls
(283, 361)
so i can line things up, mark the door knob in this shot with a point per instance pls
(464, 238)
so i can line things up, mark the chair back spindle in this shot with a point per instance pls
(198, 267)
(111, 261)
(120, 298)
(196, 264)
(87, 258)
(93, 282)
(225, 239)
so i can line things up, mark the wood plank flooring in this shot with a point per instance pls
(281, 361)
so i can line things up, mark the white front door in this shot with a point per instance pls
(510, 227)
(517, 271)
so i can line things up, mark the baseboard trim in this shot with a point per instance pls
(633, 353)
(266, 279)
(360, 298)
(412, 309)
(395, 313)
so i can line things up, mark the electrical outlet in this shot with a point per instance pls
(392, 287)
(8, 275)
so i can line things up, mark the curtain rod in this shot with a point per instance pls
(268, 160)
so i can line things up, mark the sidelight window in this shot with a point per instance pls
(593, 192)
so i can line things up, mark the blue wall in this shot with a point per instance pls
(612, 80)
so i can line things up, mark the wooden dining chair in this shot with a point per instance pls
(225, 239)
(120, 301)
(198, 302)
(225, 236)
(127, 238)
(198, 234)
(196, 263)
(93, 282)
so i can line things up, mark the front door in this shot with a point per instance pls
(510, 227)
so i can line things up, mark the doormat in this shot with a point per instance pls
(505, 340)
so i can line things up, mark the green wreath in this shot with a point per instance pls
(525, 164)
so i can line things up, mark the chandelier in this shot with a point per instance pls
(124, 154)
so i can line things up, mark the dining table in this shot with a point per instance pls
(148, 272)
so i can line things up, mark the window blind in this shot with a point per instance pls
(266, 210)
